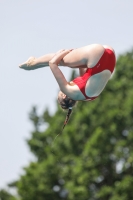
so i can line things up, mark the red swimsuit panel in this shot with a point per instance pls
(106, 62)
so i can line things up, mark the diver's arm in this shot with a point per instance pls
(65, 87)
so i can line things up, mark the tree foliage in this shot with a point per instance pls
(5, 195)
(93, 157)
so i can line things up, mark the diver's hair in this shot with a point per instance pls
(67, 103)
(67, 117)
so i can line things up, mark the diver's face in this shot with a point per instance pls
(61, 96)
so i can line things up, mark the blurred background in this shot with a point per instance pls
(34, 28)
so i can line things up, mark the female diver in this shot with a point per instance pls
(96, 63)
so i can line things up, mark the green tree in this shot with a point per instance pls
(93, 157)
(4, 195)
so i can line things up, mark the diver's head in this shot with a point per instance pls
(65, 102)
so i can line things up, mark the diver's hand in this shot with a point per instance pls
(59, 55)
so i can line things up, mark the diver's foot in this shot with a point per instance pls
(29, 64)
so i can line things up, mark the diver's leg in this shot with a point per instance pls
(85, 57)
(73, 60)
(35, 63)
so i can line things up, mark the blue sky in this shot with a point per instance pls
(36, 27)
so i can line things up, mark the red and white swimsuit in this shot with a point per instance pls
(106, 62)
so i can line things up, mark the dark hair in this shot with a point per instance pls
(67, 104)
(67, 117)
